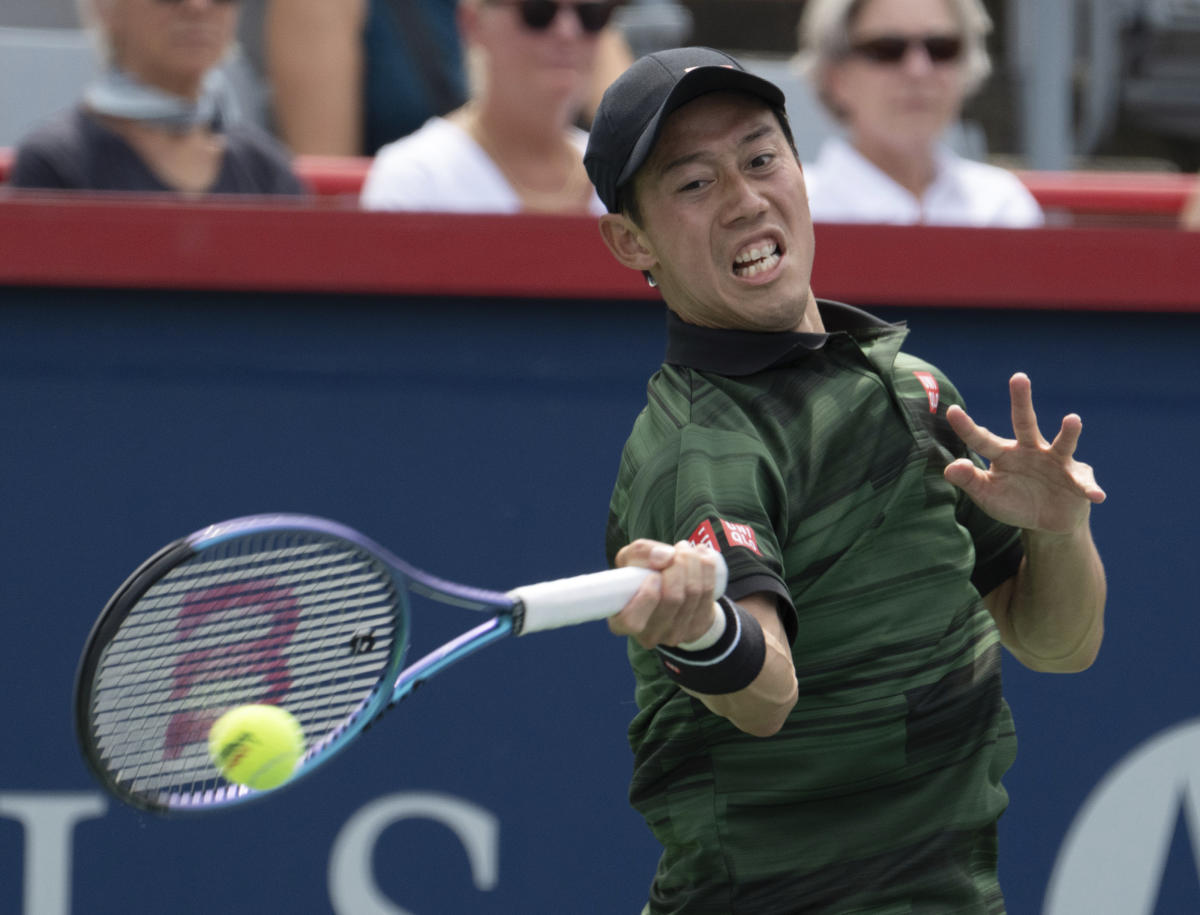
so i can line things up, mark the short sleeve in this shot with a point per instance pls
(998, 547)
(32, 169)
(716, 487)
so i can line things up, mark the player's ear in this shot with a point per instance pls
(626, 242)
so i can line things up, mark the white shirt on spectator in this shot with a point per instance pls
(844, 186)
(441, 168)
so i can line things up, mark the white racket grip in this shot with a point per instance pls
(583, 598)
(714, 632)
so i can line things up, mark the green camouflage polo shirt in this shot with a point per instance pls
(814, 462)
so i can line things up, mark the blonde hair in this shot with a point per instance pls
(824, 34)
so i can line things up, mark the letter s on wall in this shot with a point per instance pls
(352, 887)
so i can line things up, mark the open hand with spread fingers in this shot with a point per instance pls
(1030, 483)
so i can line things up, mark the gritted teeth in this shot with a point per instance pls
(756, 258)
(756, 252)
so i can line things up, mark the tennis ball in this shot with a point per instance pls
(256, 745)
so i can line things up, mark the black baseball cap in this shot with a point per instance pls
(634, 107)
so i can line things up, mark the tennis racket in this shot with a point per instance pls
(291, 610)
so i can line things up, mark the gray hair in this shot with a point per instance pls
(89, 20)
(824, 34)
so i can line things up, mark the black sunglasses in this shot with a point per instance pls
(891, 49)
(538, 14)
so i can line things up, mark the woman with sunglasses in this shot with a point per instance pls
(895, 74)
(160, 117)
(514, 145)
(349, 76)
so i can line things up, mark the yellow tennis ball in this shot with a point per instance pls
(256, 745)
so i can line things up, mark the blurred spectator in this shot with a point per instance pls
(1189, 218)
(348, 76)
(160, 117)
(895, 74)
(512, 147)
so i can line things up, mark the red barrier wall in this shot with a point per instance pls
(252, 244)
(1080, 193)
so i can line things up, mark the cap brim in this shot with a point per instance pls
(695, 83)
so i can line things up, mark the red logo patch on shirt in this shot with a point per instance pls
(735, 535)
(704, 536)
(929, 383)
(740, 535)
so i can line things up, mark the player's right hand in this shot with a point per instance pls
(675, 606)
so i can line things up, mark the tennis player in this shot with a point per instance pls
(839, 747)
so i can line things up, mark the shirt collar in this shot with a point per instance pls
(880, 196)
(840, 154)
(744, 352)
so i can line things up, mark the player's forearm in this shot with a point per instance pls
(762, 707)
(1056, 613)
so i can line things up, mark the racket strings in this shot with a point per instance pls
(289, 618)
(142, 637)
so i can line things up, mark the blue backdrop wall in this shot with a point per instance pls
(479, 439)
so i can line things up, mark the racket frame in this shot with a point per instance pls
(551, 604)
(174, 554)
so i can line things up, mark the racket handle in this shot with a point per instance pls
(567, 601)
(711, 636)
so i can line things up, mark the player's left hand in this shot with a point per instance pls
(1030, 483)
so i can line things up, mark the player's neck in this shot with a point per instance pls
(810, 321)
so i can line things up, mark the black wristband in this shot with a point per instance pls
(729, 665)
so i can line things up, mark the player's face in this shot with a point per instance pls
(903, 103)
(170, 44)
(725, 217)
